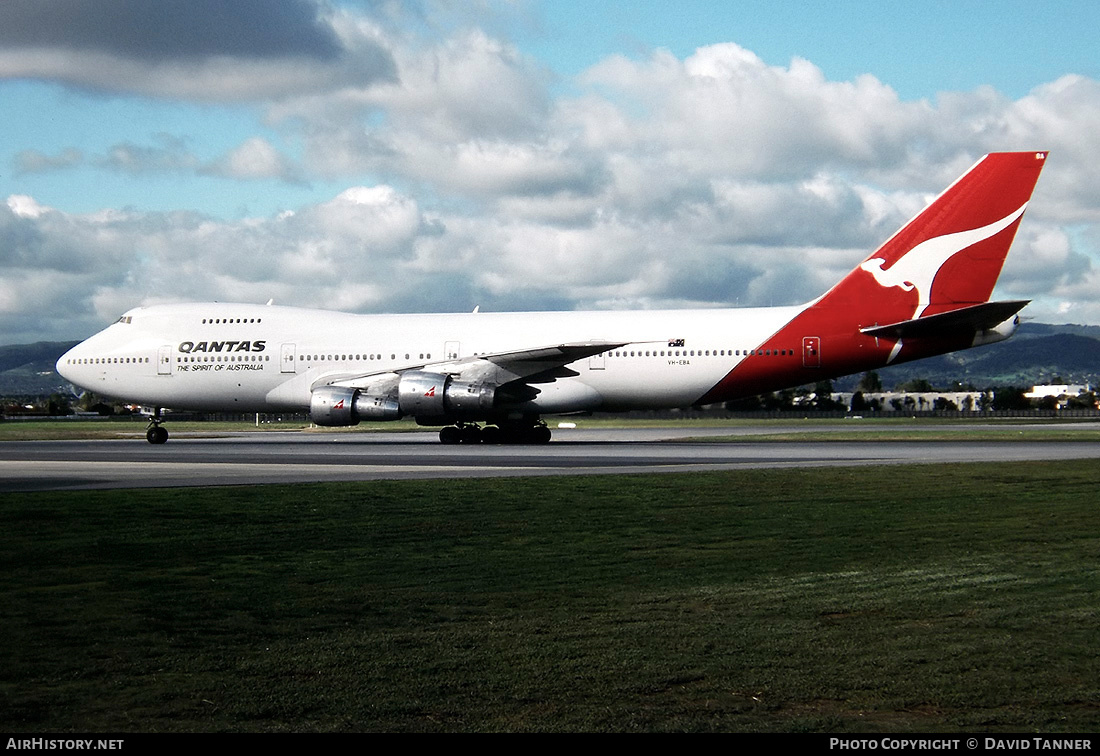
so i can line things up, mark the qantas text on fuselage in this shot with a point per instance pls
(492, 377)
(216, 347)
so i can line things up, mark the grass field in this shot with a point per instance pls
(922, 598)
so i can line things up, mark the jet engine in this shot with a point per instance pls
(435, 395)
(339, 405)
(999, 332)
(421, 394)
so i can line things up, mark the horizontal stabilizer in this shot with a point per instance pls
(964, 320)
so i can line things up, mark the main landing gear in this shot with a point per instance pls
(155, 433)
(504, 433)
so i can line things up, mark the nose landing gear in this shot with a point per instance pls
(155, 434)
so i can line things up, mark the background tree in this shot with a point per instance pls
(1084, 400)
(870, 383)
(744, 404)
(916, 386)
(1010, 398)
(823, 397)
(943, 404)
(1047, 403)
(58, 404)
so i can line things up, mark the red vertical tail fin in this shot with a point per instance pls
(950, 255)
(924, 292)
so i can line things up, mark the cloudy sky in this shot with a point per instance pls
(520, 155)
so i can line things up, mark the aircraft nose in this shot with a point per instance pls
(70, 366)
(65, 365)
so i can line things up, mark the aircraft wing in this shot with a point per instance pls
(504, 367)
(972, 319)
(540, 364)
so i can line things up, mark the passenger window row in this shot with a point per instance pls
(108, 361)
(702, 353)
(355, 357)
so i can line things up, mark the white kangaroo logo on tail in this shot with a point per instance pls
(918, 267)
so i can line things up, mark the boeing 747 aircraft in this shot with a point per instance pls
(492, 377)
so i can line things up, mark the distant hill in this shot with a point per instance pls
(1038, 330)
(28, 369)
(1038, 353)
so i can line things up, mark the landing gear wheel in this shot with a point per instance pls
(507, 433)
(462, 433)
(471, 434)
(156, 434)
(540, 434)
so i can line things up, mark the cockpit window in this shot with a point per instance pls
(125, 319)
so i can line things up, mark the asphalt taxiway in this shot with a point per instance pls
(277, 457)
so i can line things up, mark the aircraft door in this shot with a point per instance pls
(811, 351)
(598, 361)
(452, 350)
(287, 361)
(164, 360)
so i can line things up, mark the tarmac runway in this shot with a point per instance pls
(278, 457)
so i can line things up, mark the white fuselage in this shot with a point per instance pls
(258, 358)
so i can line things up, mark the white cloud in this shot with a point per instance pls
(255, 158)
(171, 154)
(723, 109)
(33, 161)
(198, 50)
(469, 84)
(25, 207)
(355, 250)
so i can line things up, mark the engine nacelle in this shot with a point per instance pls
(435, 395)
(999, 332)
(341, 406)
